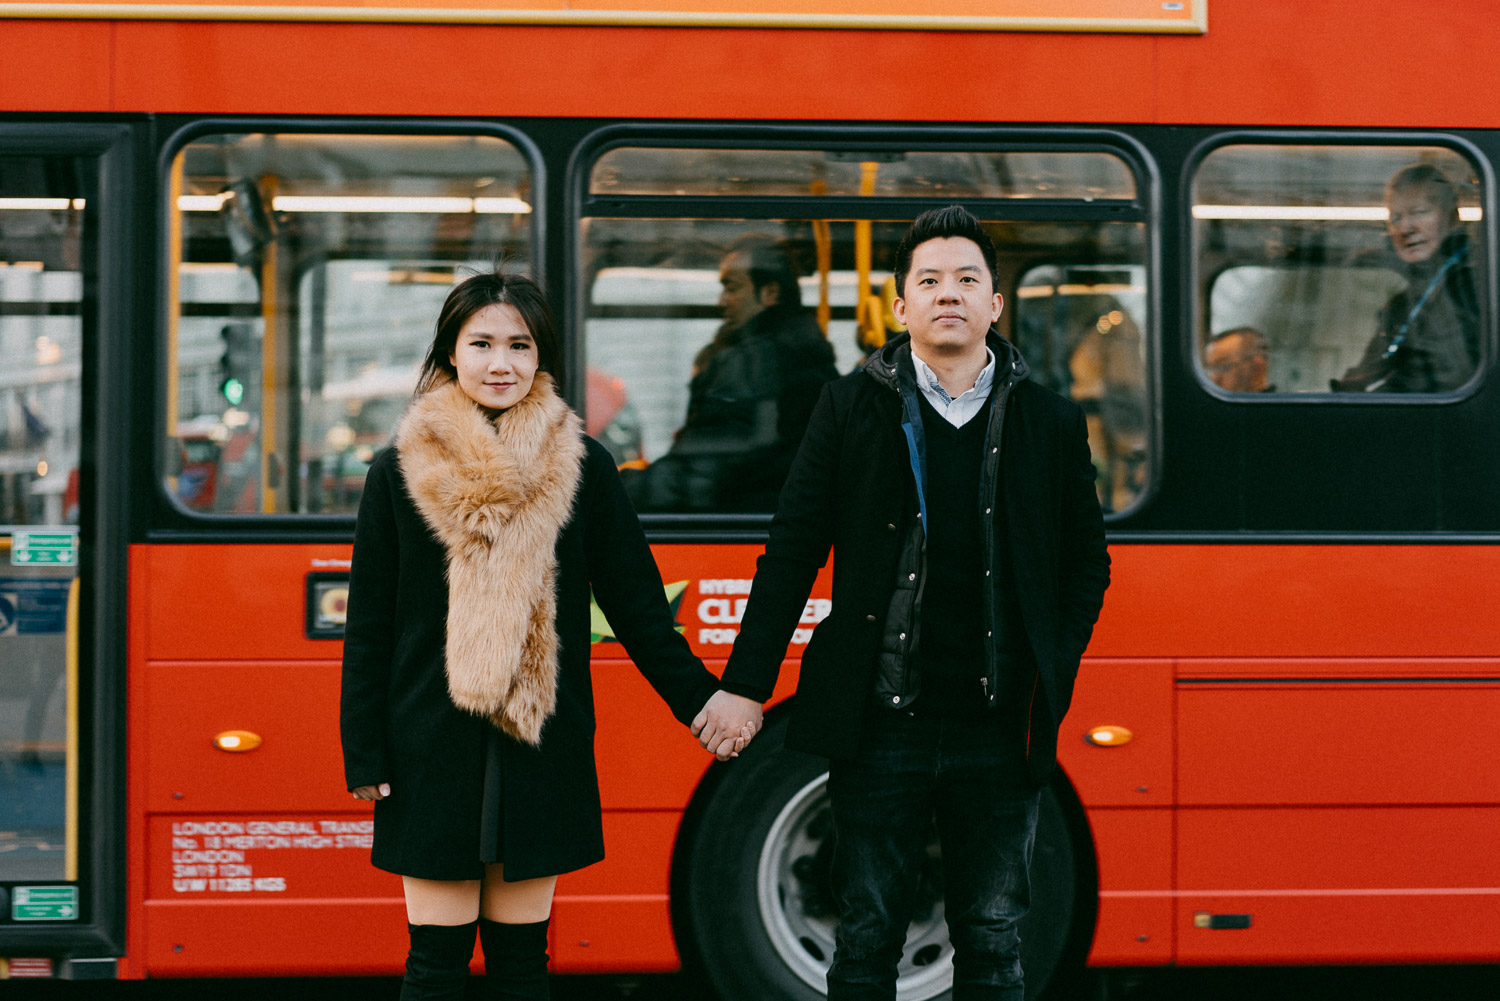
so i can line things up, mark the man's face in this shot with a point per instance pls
(1236, 364)
(1416, 224)
(739, 299)
(949, 301)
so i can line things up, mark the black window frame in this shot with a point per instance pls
(1144, 208)
(1194, 291)
(173, 518)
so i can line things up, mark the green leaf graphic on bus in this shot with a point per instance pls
(602, 632)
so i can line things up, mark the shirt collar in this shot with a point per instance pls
(927, 380)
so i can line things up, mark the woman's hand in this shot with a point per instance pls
(727, 724)
(373, 792)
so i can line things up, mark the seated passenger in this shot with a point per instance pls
(752, 391)
(1428, 337)
(1238, 360)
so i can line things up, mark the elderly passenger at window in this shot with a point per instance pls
(1238, 360)
(1428, 337)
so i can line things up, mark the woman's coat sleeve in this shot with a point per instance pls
(369, 633)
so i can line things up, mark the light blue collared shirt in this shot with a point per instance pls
(955, 410)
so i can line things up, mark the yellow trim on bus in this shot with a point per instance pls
(1197, 24)
(70, 849)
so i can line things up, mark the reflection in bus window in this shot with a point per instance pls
(665, 304)
(719, 347)
(1356, 265)
(310, 270)
(1080, 328)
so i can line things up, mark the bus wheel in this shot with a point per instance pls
(754, 897)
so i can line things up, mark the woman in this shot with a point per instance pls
(467, 709)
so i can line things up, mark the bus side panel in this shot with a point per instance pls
(1300, 601)
(57, 66)
(1339, 885)
(1126, 787)
(635, 73)
(1326, 63)
(254, 862)
(616, 915)
(1136, 912)
(1354, 742)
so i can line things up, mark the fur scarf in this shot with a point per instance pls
(497, 494)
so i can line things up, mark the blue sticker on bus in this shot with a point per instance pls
(29, 606)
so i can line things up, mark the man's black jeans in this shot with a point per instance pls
(970, 774)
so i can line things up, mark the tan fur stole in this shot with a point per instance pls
(497, 495)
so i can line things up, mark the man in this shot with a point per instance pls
(1238, 360)
(1428, 335)
(969, 568)
(753, 389)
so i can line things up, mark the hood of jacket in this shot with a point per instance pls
(497, 494)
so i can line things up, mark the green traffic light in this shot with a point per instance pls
(233, 390)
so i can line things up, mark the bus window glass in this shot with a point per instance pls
(1345, 269)
(310, 270)
(708, 341)
(42, 246)
(1081, 329)
(792, 173)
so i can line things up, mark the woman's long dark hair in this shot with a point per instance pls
(490, 288)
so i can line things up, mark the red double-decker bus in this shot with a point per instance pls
(224, 235)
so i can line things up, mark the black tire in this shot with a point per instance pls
(753, 909)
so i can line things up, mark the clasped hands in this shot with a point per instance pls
(727, 724)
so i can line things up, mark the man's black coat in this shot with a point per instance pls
(851, 489)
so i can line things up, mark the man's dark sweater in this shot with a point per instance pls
(950, 651)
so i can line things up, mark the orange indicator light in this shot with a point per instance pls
(237, 741)
(1108, 736)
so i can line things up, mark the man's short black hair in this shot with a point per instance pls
(940, 224)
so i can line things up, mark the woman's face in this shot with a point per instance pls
(495, 357)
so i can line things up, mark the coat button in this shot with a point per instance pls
(911, 576)
(895, 700)
(890, 528)
(869, 618)
(902, 636)
(986, 573)
(993, 451)
(988, 510)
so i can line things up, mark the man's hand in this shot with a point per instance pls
(372, 792)
(727, 724)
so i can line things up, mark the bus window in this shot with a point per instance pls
(954, 175)
(1346, 269)
(1080, 327)
(721, 331)
(309, 270)
(42, 253)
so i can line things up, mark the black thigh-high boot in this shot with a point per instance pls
(437, 965)
(515, 961)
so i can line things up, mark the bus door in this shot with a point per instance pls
(58, 898)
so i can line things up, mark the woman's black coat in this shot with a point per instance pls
(399, 725)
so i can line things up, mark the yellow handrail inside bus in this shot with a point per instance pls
(174, 314)
(70, 840)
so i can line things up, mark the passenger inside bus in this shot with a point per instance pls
(752, 391)
(1427, 340)
(1238, 360)
(1107, 378)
